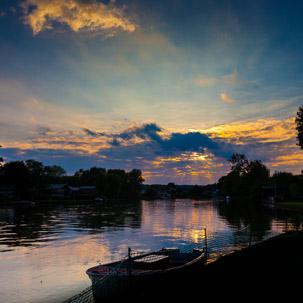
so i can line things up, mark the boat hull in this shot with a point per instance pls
(108, 282)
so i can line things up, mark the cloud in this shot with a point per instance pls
(43, 129)
(193, 157)
(190, 157)
(264, 139)
(92, 133)
(187, 141)
(205, 81)
(81, 16)
(147, 131)
(152, 143)
(233, 78)
(227, 99)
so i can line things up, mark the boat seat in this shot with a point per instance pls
(153, 261)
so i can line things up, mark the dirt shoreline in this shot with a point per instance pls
(271, 270)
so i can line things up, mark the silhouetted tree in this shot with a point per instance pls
(151, 192)
(246, 177)
(134, 183)
(114, 182)
(32, 180)
(257, 175)
(37, 181)
(239, 163)
(289, 184)
(282, 179)
(1, 159)
(54, 171)
(17, 174)
(299, 127)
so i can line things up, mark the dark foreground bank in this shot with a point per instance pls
(271, 270)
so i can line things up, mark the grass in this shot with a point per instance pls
(292, 203)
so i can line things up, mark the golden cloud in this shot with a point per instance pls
(226, 99)
(263, 130)
(85, 16)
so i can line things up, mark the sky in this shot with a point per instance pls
(173, 88)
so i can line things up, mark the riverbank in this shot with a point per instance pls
(291, 206)
(269, 270)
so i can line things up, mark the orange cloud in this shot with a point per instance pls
(263, 130)
(272, 139)
(226, 99)
(295, 159)
(87, 16)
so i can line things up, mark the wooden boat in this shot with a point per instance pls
(149, 271)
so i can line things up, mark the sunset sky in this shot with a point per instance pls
(171, 87)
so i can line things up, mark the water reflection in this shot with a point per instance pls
(46, 249)
(26, 226)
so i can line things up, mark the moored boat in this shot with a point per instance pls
(147, 271)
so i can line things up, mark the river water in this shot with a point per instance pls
(45, 249)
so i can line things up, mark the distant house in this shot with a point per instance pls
(59, 191)
(64, 191)
(83, 192)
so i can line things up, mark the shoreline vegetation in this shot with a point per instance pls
(32, 181)
(247, 180)
(291, 206)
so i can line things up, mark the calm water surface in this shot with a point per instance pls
(46, 249)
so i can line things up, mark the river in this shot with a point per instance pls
(45, 249)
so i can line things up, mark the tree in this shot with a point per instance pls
(134, 182)
(54, 171)
(114, 184)
(239, 163)
(257, 176)
(282, 179)
(1, 159)
(17, 174)
(35, 168)
(245, 178)
(37, 182)
(299, 127)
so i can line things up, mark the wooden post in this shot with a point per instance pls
(129, 270)
(206, 250)
(251, 234)
(129, 261)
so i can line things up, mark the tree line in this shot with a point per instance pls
(249, 178)
(31, 179)
(252, 179)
